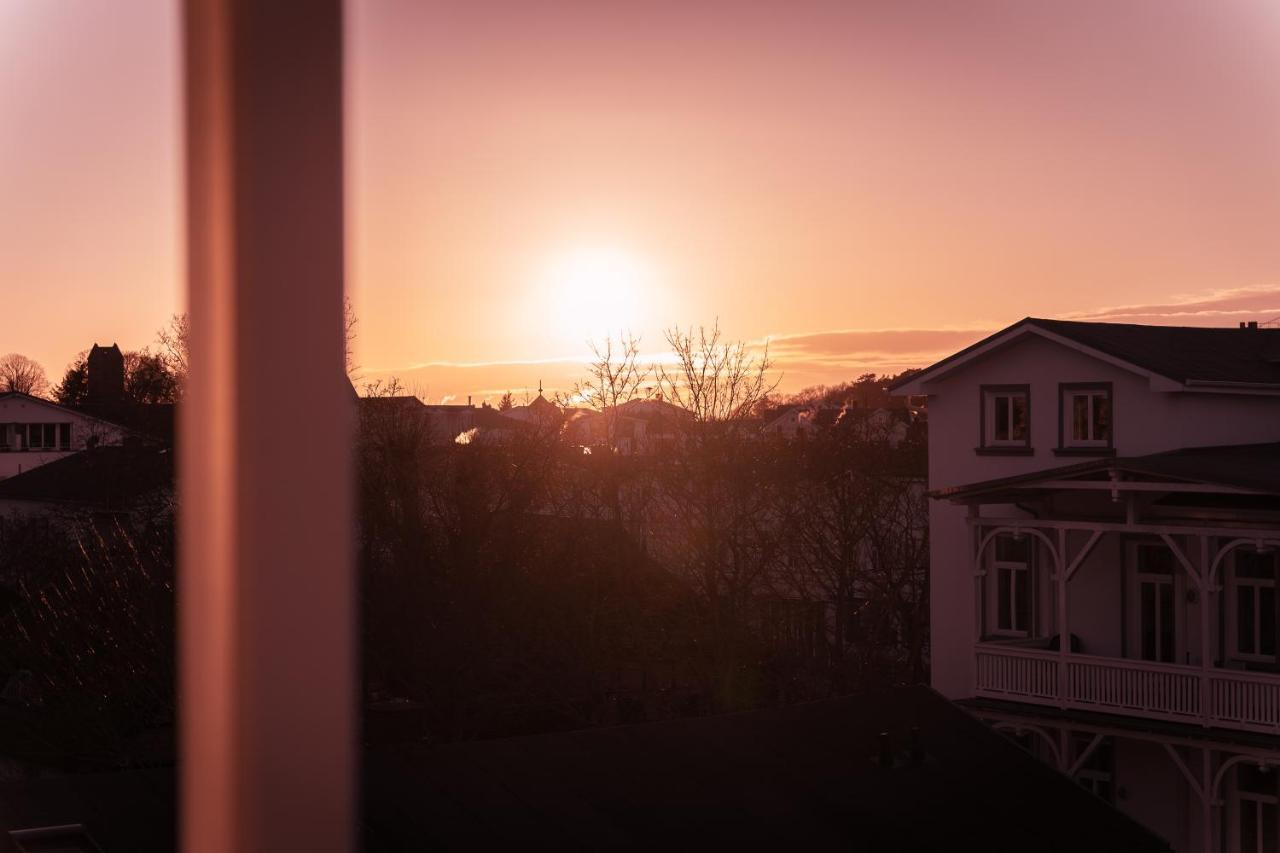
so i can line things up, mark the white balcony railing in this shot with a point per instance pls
(1209, 697)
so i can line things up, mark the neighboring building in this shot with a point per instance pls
(792, 422)
(540, 413)
(639, 426)
(34, 432)
(444, 424)
(589, 429)
(447, 421)
(1104, 567)
(890, 425)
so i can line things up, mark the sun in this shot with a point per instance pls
(597, 290)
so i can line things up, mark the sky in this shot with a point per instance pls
(867, 185)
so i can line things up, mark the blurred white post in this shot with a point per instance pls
(266, 594)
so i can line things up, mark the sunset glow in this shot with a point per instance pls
(596, 290)
(640, 424)
(867, 182)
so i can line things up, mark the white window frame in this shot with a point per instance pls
(1136, 578)
(35, 432)
(1090, 393)
(1020, 572)
(1238, 797)
(1234, 582)
(989, 397)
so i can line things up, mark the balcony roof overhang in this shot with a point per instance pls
(1251, 469)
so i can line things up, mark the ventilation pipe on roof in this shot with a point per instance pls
(886, 750)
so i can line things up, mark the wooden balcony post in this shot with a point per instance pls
(1064, 632)
(1208, 601)
(975, 542)
(1208, 840)
(265, 594)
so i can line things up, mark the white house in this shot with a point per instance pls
(35, 431)
(1117, 486)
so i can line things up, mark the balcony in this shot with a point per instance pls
(1208, 697)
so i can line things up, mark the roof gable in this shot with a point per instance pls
(58, 407)
(1172, 357)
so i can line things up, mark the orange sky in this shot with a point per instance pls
(812, 172)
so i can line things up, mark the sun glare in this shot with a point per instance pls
(597, 290)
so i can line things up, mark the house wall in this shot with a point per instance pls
(17, 409)
(1145, 421)
(1151, 790)
(1095, 598)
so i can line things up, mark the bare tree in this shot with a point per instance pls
(715, 380)
(614, 377)
(174, 341)
(19, 373)
(349, 323)
(174, 348)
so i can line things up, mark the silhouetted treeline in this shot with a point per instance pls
(649, 548)
(535, 583)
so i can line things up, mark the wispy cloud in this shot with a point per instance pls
(829, 357)
(1214, 307)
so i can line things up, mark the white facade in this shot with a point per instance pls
(34, 432)
(1147, 568)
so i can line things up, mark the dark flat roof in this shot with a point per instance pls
(1181, 353)
(1185, 353)
(801, 777)
(1254, 467)
(107, 477)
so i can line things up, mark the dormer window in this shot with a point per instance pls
(1086, 417)
(1006, 418)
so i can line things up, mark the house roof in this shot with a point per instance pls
(108, 476)
(1184, 354)
(402, 401)
(81, 411)
(154, 420)
(493, 419)
(653, 409)
(799, 777)
(1248, 467)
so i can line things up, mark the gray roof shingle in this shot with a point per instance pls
(1185, 354)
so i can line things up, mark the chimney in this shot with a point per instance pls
(886, 750)
(106, 376)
